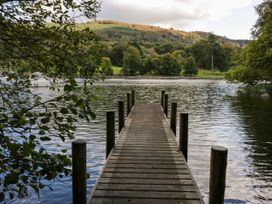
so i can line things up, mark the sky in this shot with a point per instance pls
(231, 18)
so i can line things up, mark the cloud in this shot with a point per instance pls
(181, 14)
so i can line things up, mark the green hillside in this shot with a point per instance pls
(110, 30)
(152, 50)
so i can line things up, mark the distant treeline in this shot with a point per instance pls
(155, 53)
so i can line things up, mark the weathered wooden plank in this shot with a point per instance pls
(146, 149)
(149, 148)
(146, 158)
(150, 141)
(142, 201)
(159, 145)
(142, 187)
(140, 154)
(143, 171)
(154, 162)
(145, 175)
(144, 194)
(136, 151)
(147, 166)
(146, 181)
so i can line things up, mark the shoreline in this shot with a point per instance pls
(162, 77)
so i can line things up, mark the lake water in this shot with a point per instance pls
(218, 115)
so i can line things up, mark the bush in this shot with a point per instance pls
(190, 67)
(243, 74)
(106, 66)
(167, 65)
(132, 61)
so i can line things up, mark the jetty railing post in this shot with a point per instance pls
(132, 98)
(79, 171)
(121, 115)
(128, 103)
(162, 98)
(165, 104)
(183, 134)
(218, 167)
(173, 122)
(110, 132)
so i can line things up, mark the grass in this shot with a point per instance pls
(202, 73)
(116, 70)
(209, 74)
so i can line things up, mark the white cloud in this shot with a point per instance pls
(182, 14)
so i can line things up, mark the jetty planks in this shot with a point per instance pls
(146, 166)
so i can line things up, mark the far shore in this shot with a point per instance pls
(161, 77)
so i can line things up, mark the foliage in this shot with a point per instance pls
(256, 58)
(165, 48)
(132, 61)
(117, 54)
(241, 74)
(149, 65)
(190, 67)
(201, 52)
(27, 120)
(167, 64)
(106, 66)
(208, 52)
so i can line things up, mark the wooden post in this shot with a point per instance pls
(128, 104)
(110, 140)
(121, 115)
(132, 98)
(165, 104)
(218, 167)
(173, 122)
(183, 134)
(79, 171)
(162, 98)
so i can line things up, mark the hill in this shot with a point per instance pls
(110, 30)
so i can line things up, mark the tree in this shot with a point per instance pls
(201, 50)
(190, 67)
(149, 65)
(165, 48)
(29, 44)
(117, 54)
(210, 53)
(256, 58)
(106, 66)
(132, 61)
(167, 64)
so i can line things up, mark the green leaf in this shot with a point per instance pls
(64, 110)
(11, 196)
(74, 98)
(45, 120)
(74, 111)
(93, 115)
(67, 98)
(2, 196)
(35, 188)
(72, 82)
(11, 178)
(26, 149)
(64, 150)
(67, 88)
(32, 137)
(45, 138)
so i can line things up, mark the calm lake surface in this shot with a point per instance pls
(218, 115)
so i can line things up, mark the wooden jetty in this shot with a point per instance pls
(146, 166)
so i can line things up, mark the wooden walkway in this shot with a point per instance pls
(145, 167)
